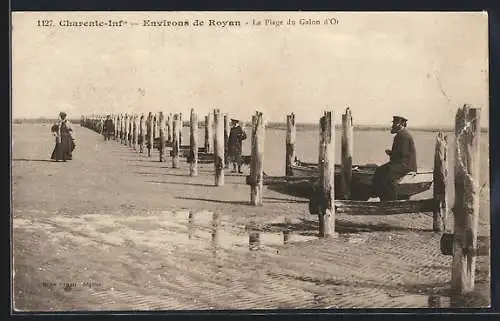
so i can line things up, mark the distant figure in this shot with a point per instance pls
(65, 142)
(236, 137)
(108, 128)
(403, 160)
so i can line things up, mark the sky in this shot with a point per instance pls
(422, 66)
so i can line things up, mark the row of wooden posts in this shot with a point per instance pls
(465, 210)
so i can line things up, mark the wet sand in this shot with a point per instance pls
(116, 230)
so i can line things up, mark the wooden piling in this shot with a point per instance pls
(162, 144)
(136, 132)
(290, 143)
(257, 168)
(155, 127)
(125, 138)
(440, 178)
(130, 130)
(142, 133)
(181, 122)
(466, 207)
(227, 129)
(175, 144)
(193, 144)
(218, 148)
(327, 176)
(347, 151)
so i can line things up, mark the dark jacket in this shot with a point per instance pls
(403, 154)
(108, 127)
(236, 136)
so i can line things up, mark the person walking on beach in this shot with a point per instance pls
(403, 160)
(65, 142)
(236, 137)
(108, 128)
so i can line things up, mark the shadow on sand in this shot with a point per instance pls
(32, 160)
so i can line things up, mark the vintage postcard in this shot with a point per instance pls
(249, 160)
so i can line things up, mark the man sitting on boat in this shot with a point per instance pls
(403, 160)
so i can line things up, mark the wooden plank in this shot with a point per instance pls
(193, 142)
(327, 175)
(440, 177)
(258, 140)
(482, 249)
(466, 207)
(218, 147)
(384, 208)
(347, 151)
(276, 180)
(290, 143)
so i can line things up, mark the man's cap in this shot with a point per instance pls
(62, 114)
(235, 120)
(399, 119)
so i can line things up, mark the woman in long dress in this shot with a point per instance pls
(65, 144)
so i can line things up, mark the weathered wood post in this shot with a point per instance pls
(162, 146)
(121, 128)
(142, 133)
(130, 129)
(347, 151)
(193, 144)
(175, 146)
(170, 128)
(327, 176)
(466, 207)
(155, 127)
(219, 147)
(257, 168)
(209, 121)
(440, 177)
(290, 143)
(227, 129)
(149, 128)
(136, 132)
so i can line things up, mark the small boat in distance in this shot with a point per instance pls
(362, 178)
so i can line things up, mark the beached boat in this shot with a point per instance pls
(362, 177)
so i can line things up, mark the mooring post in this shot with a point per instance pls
(290, 143)
(327, 176)
(130, 130)
(142, 133)
(257, 172)
(125, 141)
(175, 145)
(150, 133)
(466, 207)
(347, 151)
(193, 144)
(219, 147)
(226, 139)
(439, 181)
(161, 145)
(207, 145)
(155, 127)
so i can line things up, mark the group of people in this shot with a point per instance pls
(402, 155)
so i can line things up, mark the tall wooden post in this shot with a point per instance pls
(347, 151)
(327, 176)
(155, 127)
(170, 128)
(130, 130)
(227, 129)
(175, 145)
(193, 144)
(219, 147)
(466, 207)
(142, 133)
(257, 165)
(440, 178)
(207, 145)
(210, 133)
(290, 143)
(162, 146)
